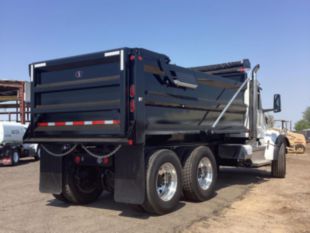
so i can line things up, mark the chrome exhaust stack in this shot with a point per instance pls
(254, 103)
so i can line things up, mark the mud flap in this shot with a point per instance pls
(50, 173)
(130, 175)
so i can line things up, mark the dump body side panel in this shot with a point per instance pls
(172, 109)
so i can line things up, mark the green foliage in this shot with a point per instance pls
(302, 124)
(306, 114)
(305, 122)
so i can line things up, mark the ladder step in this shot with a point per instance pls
(260, 163)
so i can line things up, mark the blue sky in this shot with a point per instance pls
(275, 34)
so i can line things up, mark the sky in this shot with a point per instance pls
(273, 33)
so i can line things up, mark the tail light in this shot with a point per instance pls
(132, 105)
(105, 161)
(77, 160)
(132, 91)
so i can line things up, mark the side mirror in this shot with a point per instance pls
(277, 103)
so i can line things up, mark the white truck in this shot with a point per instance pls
(11, 143)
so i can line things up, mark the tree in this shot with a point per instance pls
(305, 122)
(302, 124)
(306, 114)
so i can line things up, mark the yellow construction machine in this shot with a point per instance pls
(297, 140)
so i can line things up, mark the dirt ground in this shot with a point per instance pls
(246, 200)
(279, 205)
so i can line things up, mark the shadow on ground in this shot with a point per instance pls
(227, 177)
(241, 176)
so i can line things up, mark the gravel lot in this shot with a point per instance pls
(279, 205)
(24, 209)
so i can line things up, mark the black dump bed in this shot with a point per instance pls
(128, 93)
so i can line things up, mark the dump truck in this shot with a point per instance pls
(129, 121)
(11, 143)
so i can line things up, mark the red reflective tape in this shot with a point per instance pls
(43, 124)
(60, 123)
(98, 122)
(78, 122)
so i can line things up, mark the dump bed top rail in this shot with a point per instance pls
(229, 67)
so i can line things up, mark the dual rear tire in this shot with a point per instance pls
(163, 182)
(199, 174)
(166, 178)
(81, 184)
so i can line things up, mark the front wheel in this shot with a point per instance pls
(199, 174)
(163, 182)
(278, 166)
(81, 184)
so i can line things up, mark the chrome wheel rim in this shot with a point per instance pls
(15, 157)
(166, 181)
(204, 173)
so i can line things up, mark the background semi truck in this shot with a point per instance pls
(11, 143)
(128, 121)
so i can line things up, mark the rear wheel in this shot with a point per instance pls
(278, 167)
(81, 184)
(163, 182)
(199, 174)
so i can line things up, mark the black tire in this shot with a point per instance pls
(81, 184)
(15, 156)
(60, 197)
(300, 149)
(191, 188)
(153, 202)
(278, 166)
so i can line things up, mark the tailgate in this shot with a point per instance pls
(79, 97)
